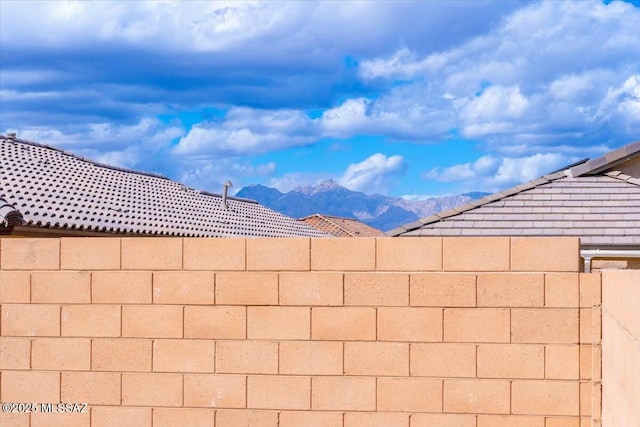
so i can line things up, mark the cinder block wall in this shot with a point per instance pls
(297, 332)
(621, 348)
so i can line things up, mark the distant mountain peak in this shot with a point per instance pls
(327, 185)
(330, 198)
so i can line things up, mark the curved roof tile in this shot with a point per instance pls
(54, 189)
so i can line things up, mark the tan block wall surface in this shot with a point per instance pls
(620, 348)
(301, 332)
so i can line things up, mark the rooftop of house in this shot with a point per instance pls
(44, 189)
(597, 200)
(341, 227)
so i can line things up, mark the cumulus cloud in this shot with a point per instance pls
(375, 174)
(519, 78)
(209, 176)
(247, 131)
(492, 173)
(530, 79)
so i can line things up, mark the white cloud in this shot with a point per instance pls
(621, 105)
(247, 131)
(490, 173)
(538, 78)
(209, 176)
(148, 131)
(375, 174)
(349, 118)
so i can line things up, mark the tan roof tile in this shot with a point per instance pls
(341, 227)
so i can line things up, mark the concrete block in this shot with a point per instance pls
(416, 324)
(545, 254)
(443, 420)
(247, 288)
(443, 290)
(30, 254)
(376, 358)
(89, 253)
(311, 358)
(15, 287)
(219, 322)
(214, 254)
(536, 397)
(183, 287)
(409, 254)
(343, 393)
(476, 325)
(409, 394)
(184, 355)
(279, 323)
(510, 421)
(234, 418)
(311, 288)
(94, 388)
(343, 323)
(475, 253)
(121, 354)
(477, 396)
(145, 389)
(215, 391)
(511, 361)
(121, 287)
(375, 419)
(511, 290)
(151, 253)
(544, 326)
(343, 254)
(310, 419)
(562, 362)
(247, 357)
(15, 353)
(193, 417)
(278, 392)
(107, 416)
(91, 320)
(61, 354)
(376, 289)
(443, 360)
(30, 386)
(30, 320)
(70, 287)
(277, 254)
(561, 290)
(152, 321)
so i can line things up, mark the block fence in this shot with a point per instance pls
(464, 332)
(621, 348)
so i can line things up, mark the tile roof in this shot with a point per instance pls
(44, 187)
(589, 200)
(341, 227)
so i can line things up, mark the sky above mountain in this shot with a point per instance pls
(399, 98)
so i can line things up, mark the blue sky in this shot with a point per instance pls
(399, 98)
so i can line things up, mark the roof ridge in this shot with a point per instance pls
(337, 225)
(119, 169)
(473, 204)
(623, 177)
(608, 160)
(84, 159)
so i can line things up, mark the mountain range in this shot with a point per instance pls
(330, 198)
